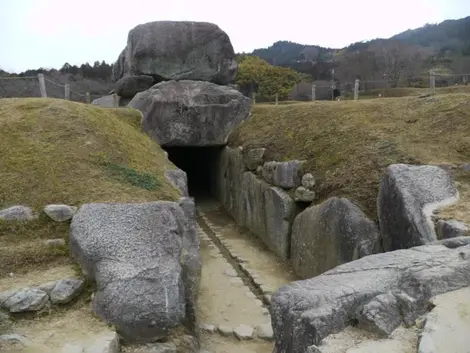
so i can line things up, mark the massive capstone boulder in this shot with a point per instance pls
(329, 234)
(144, 258)
(305, 312)
(407, 197)
(191, 113)
(178, 50)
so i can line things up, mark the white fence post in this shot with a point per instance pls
(253, 96)
(42, 86)
(432, 81)
(314, 92)
(356, 90)
(87, 98)
(276, 98)
(67, 91)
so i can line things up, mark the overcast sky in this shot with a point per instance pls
(48, 33)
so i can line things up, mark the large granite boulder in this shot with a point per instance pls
(407, 197)
(178, 50)
(305, 312)
(330, 234)
(129, 86)
(144, 258)
(191, 113)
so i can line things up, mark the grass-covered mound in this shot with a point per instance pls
(348, 144)
(57, 151)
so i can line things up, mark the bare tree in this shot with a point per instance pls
(398, 60)
(358, 64)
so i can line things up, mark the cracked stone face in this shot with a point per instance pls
(145, 260)
(305, 312)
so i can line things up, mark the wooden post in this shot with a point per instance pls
(116, 100)
(432, 82)
(87, 98)
(253, 95)
(42, 85)
(67, 91)
(356, 90)
(465, 80)
(314, 92)
(276, 98)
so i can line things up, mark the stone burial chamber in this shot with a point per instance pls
(198, 164)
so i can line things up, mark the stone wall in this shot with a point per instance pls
(257, 194)
(276, 201)
(265, 210)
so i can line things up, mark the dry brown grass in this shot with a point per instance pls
(56, 151)
(348, 144)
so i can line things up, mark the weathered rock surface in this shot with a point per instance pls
(304, 195)
(447, 326)
(230, 168)
(65, 290)
(190, 113)
(329, 234)
(453, 243)
(105, 101)
(178, 50)
(179, 180)
(407, 196)
(308, 181)
(145, 260)
(243, 332)
(280, 212)
(17, 213)
(266, 211)
(225, 330)
(381, 315)
(60, 213)
(108, 101)
(47, 287)
(305, 312)
(451, 229)
(28, 299)
(253, 190)
(254, 158)
(286, 175)
(129, 86)
(108, 343)
(265, 332)
(14, 339)
(119, 69)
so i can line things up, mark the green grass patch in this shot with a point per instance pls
(131, 176)
(52, 151)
